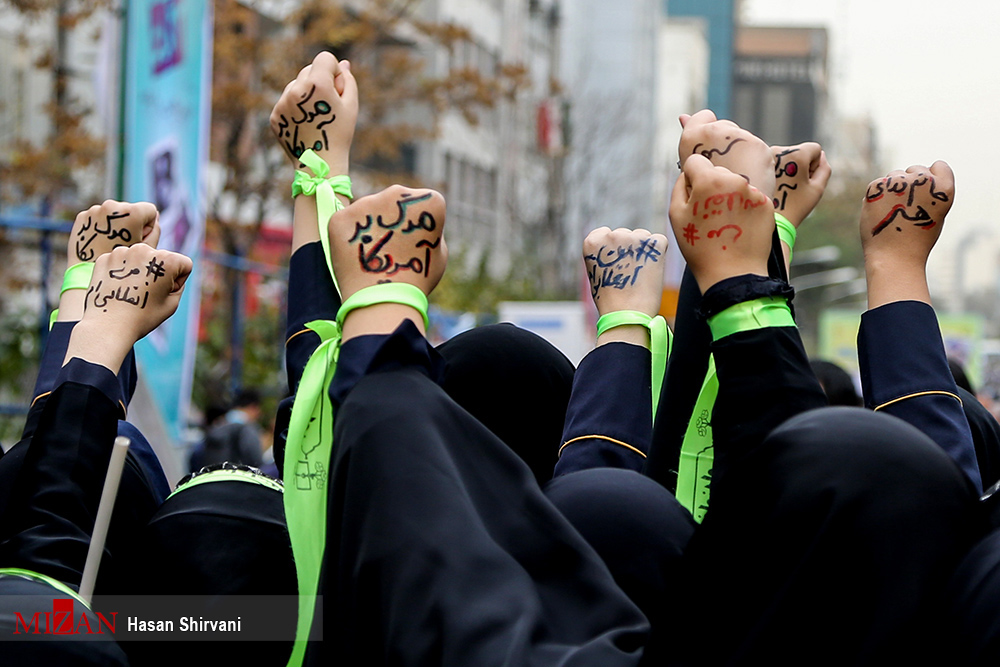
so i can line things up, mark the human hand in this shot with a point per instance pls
(903, 213)
(104, 227)
(801, 173)
(393, 236)
(723, 225)
(135, 289)
(318, 110)
(624, 269)
(727, 145)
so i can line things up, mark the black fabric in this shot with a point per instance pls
(985, 437)
(53, 501)
(517, 384)
(731, 291)
(685, 374)
(639, 530)
(901, 354)
(973, 606)
(216, 538)
(828, 544)
(441, 548)
(764, 379)
(27, 598)
(686, 371)
(311, 296)
(612, 398)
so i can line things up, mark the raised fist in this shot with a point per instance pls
(393, 236)
(726, 144)
(134, 290)
(318, 110)
(625, 269)
(801, 173)
(903, 213)
(113, 224)
(723, 225)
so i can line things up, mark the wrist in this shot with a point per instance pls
(627, 333)
(381, 318)
(890, 280)
(91, 342)
(708, 277)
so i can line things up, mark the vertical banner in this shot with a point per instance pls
(166, 97)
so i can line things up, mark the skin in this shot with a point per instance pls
(896, 249)
(717, 251)
(348, 246)
(643, 295)
(328, 81)
(140, 219)
(107, 332)
(799, 189)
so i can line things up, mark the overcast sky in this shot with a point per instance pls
(928, 73)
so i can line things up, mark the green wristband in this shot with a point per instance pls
(326, 188)
(660, 339)
(786, 232)
(76, 277)
(763, 313)
(401, 293)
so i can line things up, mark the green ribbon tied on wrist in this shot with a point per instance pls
(786, 232)
(309, 447)
(76, 277)
(660, 340)
(325, 188)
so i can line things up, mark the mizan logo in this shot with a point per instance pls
(60, 621)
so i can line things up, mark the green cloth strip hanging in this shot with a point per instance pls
(310, 444)
(326, 191)
(660, 340)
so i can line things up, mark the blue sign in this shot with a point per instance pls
(167, 107)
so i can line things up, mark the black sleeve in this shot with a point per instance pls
(609, 418)
(53, 505)
(311, 296)
(905, 373)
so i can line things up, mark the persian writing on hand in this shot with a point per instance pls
(716, 152)
(903, 186)
(618, 267)
(92, 229)
(376, 245)
(300, 131)
(785, 169)
(125, 285)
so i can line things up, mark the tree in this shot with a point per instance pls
(391, 49)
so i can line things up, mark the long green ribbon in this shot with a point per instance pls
(660, 340)
(309, 446)
(694, 470)
(326, 191)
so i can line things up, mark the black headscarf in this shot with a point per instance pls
(516, 384)
(217, 538)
